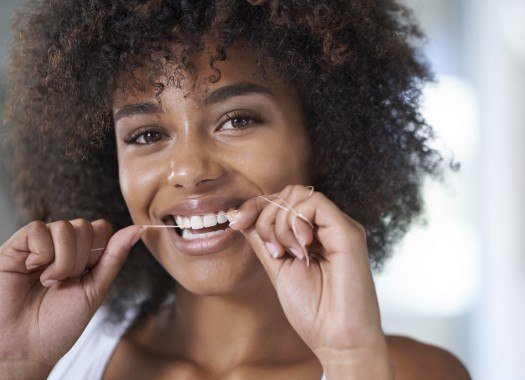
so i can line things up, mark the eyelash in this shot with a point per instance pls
(134, 137)
(254, 118)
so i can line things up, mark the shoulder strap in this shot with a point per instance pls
(88, 357)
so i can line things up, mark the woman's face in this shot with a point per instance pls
(180, 155)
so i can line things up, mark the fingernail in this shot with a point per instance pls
(297, 253)
(32, 266)
(273, 250)
(137, 237)
(49, 283)
(300, 238)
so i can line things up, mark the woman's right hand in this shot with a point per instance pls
(40, 318)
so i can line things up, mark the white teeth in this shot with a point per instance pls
(196, 222)
(221, 217)
(189, 235)
(210, 220)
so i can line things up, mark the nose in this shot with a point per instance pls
(191, 165)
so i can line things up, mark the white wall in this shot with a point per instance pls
(497, 65)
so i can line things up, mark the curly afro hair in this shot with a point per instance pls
(354, 64)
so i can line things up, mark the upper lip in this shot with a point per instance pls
(202, 206)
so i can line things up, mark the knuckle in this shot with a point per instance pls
(63, 226)
(292, 190)
(318, 196)
(36, 225)
(288, 189)
(104, 226)
(82, 224)
(86, 229)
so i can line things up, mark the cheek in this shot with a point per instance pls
(277, 161)
(139, 180)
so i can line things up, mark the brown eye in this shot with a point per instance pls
(239, 120)
(238, 123)
(144, 137)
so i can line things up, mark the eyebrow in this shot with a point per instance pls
(146, 108)
(219, 95)
(237, 89)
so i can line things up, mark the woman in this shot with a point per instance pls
(171, 120)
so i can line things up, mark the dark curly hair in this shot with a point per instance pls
(354, 64)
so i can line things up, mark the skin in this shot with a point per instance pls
(241, 313)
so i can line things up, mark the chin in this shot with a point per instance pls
(218, 277)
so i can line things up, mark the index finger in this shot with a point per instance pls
(247, 214)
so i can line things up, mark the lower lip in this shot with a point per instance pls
(203, 246)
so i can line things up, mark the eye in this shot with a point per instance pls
(240, 120)
(144, 136)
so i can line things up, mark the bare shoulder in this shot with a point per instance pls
(417, 360)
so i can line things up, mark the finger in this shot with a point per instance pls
(333, 228)
(98, 279)
(31, 243)
(63, 235)
(270, 264)
(247, 214)
(83, 239)
(102, 232)
(302, 230)
(283, 226)
(265, 224)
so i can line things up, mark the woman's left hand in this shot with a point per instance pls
(331, 303)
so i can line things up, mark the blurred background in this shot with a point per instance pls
(458, 281)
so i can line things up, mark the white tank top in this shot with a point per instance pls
(88, 357)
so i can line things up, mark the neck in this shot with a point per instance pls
(226, 331)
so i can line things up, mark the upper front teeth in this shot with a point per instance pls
(201, 221)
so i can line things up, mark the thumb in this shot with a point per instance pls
(270, 264)
(102, 275)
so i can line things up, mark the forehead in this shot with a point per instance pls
(239, 67)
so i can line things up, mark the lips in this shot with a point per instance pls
(201, 240)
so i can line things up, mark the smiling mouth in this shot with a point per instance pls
(199, 226)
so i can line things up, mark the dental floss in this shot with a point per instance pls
(298, 214)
